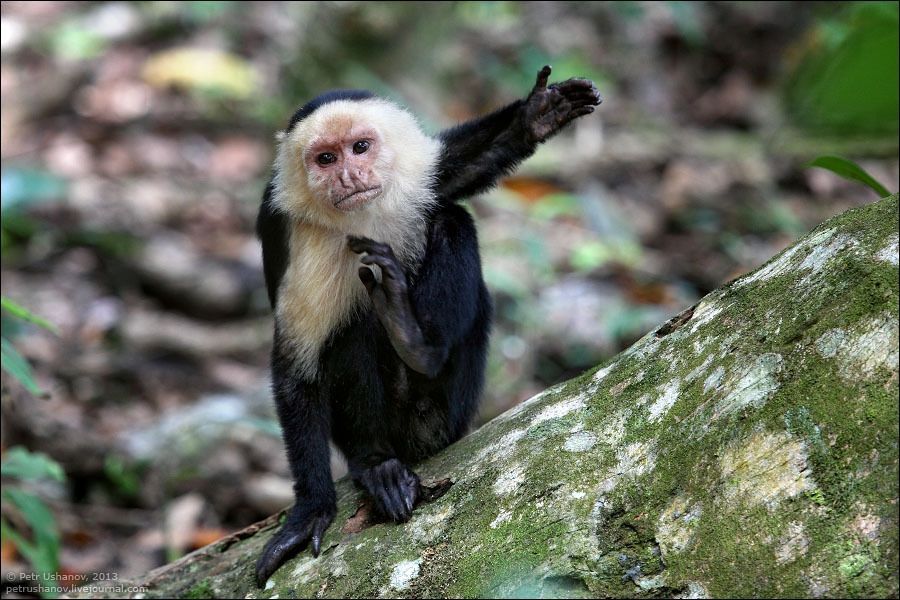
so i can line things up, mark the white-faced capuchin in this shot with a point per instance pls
(382, 318)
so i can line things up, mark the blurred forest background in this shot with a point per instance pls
(136, 143)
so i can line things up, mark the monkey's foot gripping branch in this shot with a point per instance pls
(393, 486)
(302, 528)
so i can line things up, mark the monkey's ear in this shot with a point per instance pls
(279, 135)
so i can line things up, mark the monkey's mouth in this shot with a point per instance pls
(357, 199)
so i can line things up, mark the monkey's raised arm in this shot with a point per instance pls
(305, 421)
(478, 152)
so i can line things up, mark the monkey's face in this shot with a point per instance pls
(352, 162)
(344, 163)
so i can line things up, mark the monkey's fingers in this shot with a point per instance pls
(409, 486)
(576, 83)
(389, 267)
(580, 112)
(319, 526)
(393, 487)
(570, 113)
(364, 244)
(576, 86)
(360, 244)
(404, 492)
(586, 94)
(368, 279)
(542, 77)
(393, 500)
(560, 106)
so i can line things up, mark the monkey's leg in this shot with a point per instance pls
(368, 419)
(305, 427)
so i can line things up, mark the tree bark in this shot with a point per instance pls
(748, 447)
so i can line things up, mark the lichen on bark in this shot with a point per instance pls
(749, 448)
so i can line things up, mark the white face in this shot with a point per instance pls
(353, 161)
(343, 164)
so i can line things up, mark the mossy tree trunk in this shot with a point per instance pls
(749, 447)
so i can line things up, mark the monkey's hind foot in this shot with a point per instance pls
(393, 486)
(304, 526)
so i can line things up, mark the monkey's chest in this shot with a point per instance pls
(319, 293)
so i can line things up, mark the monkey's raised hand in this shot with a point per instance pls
(303, 525)
(550, 108)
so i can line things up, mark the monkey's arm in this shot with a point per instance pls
(424, 323)
(394, 308)
(272, 230)
(478, 152)
(305, 423)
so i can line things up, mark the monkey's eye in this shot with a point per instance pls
(360, 147)
(326, 158)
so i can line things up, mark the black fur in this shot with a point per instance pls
(402, 381)
(272, 229)
(332, 96)
(476, 154)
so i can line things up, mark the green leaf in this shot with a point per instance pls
(43, 552)
(594, 254)
(847, 78)
(17, 310)
(22, 464)
(849, 170)
(25, 548)
(18, 367)
(122, 475)
(589, 256)
(72, 41)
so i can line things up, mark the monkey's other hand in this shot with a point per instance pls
(303, 525)
(393, 287)
(550, 108)
(394, 488)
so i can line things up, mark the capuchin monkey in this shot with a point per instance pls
(373, 272)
